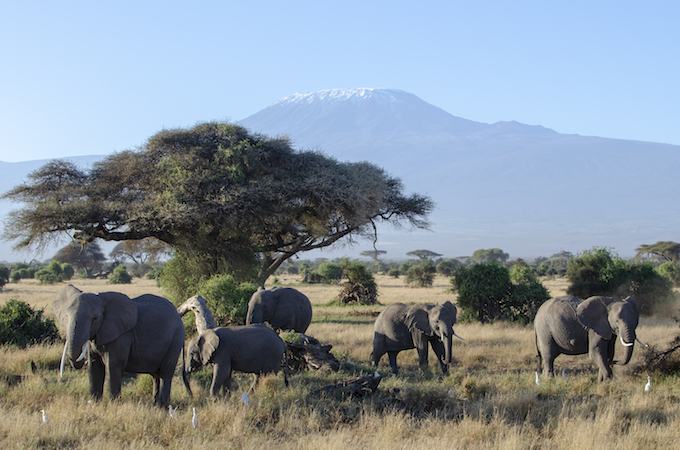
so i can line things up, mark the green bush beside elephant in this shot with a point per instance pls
(140, 335)
(572, 326)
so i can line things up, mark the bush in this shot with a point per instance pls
(487, 291)
(227, 299)
(421, 275)
(51, 274)
(4, 276)
(671, 271)
(327, 272)
(67, 271)
(20, 325)
(394, 273)
(448, 267)
(120, 275)
(599, 272)
(360, 287)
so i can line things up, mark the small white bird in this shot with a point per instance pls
(564, 373)
(172, 412)
(194, 420)
(244, 398)
(538, 380)
(44, 417)
(376, 374)
(648, 386)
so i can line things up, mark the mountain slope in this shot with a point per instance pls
(526, 189)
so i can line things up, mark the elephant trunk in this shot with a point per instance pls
(76, 346)
(447, 338)
(254, 315)
(628, 340)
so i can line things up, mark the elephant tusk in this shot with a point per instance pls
(63, 360)
(641, 343)
(626, 345)
(458, 337)
(82, 355)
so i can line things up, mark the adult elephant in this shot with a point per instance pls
(283, 308)
(572, 326)
(253, 349)
(140, 335)
(403, 327)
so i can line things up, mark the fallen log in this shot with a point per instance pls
(354, 388)
(307, 353)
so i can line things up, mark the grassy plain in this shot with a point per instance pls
(488, 400)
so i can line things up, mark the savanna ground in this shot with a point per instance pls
(488, 400)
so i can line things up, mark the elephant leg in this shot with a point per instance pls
(164, 385)
(548, 350)
(598, 354)
(115, 372)
(393, 361)
(156, 387)
(438, 348)
(97, 375)
(422, 357)
(221, 378)
(378, 348)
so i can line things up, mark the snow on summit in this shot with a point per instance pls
(337, 95)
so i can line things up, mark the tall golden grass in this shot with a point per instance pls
(488, 400)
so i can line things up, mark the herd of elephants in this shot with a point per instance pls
(117, 334)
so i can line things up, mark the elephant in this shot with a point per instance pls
(140, 335)
(283, 308)
(572, 326)
(202, 315)
(255, 349)
(403, 327)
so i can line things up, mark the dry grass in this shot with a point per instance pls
(489, 399)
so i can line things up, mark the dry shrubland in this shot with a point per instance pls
(488, 400)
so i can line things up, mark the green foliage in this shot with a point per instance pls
(394, 273)
(327, 272)
(662, 250)
(227, 299)
(421, 275)
(179, 278)
(120, 275)
(51, 274)
(491, 292)
(67, 271)
(20, 325)
(600, 272)
(424, 254)
(360, 287)
(671, 271)
(489, 256)
(448, 267)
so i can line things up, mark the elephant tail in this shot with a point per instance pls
(185, 375)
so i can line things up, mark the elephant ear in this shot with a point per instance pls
(418, 319)
(593, 314)
(120, 315)
(62, 301)
(208, 343)
(451, 307)
(631, 301)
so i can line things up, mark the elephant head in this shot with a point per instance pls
(261, 306)
(200, 350)
(101, 318)
(435, 320)
(608, 317)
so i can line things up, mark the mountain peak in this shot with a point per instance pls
(339, 95)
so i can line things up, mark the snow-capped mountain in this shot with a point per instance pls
(526, 189)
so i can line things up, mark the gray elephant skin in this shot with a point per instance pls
(572, 326)
(140, 335)
(253, 349)
(283, 308)
(403, 327)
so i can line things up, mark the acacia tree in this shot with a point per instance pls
(140, 252)
(89, 258)
(227, 200)
(662, 250)
(424, 255)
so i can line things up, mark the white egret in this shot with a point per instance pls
(172, 412)
(44, 417)
(376, 374)
(194, 419)
(538, 380)
(648, 386)
(244, 398)
(564, 373)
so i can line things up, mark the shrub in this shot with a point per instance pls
(360, 287)
(51, 274)
(671, 271)
(600, 272)
(421, 275)
(15, 277)
(394, 273)
(120, 275)
(20, 325)
(67, 271)
(327, 272)
(448, 267)
(4, 276)
(487, 291)
(227, 299)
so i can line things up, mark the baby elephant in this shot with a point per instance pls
(253, 349)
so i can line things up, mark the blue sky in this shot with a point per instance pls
(84, 77)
